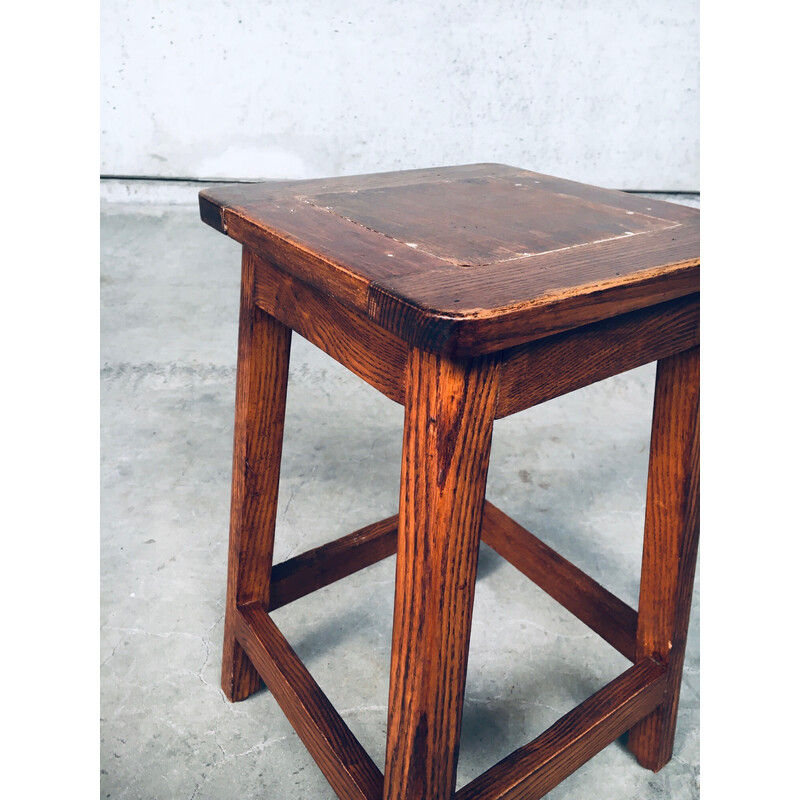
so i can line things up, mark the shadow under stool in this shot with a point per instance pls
(466, 294)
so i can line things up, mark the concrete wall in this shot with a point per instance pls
(605, 92)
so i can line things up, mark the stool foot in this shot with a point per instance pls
(261, 377)
(239, 677)
(670, 545)
(449, 413)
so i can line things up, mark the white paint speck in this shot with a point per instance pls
(629, 212)
(391, 255)
(411, 244)
(517, 184)
(648, 208)
(132, 594)
(629, 233)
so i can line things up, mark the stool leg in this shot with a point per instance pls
(448, 426)
(261, 377)
(670, 545)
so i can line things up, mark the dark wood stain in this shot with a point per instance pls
(671, 531)
(582, 257)
(546, 368)
(447, 435)
(466, 294)
(470, 311)
(464, 230)
(348, 768)
(594, 605)
(331, 562)
(532, 771)
(261, 381)
(370, 351)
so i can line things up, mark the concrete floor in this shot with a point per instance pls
(573, 470)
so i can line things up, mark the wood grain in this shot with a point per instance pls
(465, 231)
(261, 380)
(371, 352)
(580, 594)
(343, 761)
(314, 244)
(548, 368)
(533, 770)
(485, 309)
(471, 259)
(671, 534)
(449, 413)
(331, 562)
(465, 293)
(597, 194)
(308, 251)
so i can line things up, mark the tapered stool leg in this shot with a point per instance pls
(448, 426)
(670, 545)
(261, 377)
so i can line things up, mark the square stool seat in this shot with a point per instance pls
(468, 259)
(466, 294)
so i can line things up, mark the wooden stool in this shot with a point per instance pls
(466, 294)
